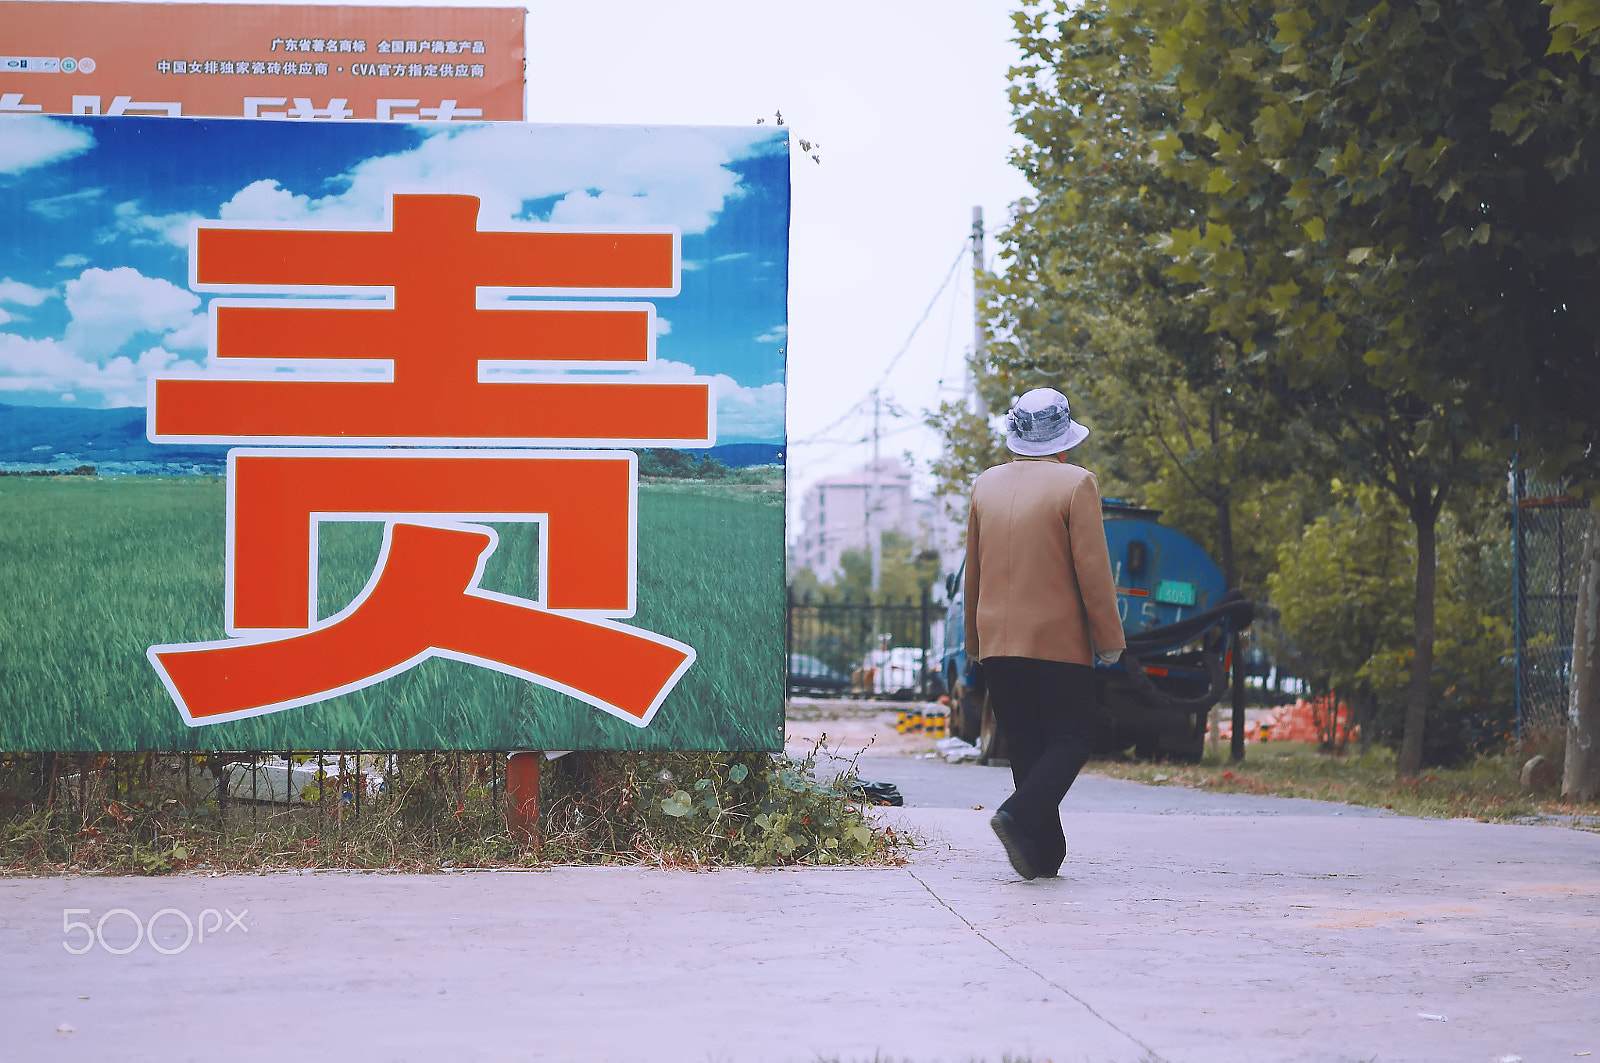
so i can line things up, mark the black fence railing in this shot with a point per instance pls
(338, 782)
(872, 648)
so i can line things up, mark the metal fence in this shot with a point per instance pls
(1548, 531)
(865, 648)
(329, 782)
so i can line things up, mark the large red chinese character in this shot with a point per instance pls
(424, 598)
(435, 260)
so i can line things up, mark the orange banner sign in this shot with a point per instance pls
(261, 61)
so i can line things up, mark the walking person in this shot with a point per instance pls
(1040, 607)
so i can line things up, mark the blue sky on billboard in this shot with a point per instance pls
(94, 295)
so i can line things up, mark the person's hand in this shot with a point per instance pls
(974, 678)
(1108, 657)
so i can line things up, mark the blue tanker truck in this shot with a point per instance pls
(1178, 617)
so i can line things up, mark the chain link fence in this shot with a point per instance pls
(1549, 528)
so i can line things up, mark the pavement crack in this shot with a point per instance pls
(1151, 1055)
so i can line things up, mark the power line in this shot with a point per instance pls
(923, 319)
(884, 376)
(831, 425)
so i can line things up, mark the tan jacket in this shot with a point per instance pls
(1038, 580)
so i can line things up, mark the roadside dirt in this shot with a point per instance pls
(851, 726)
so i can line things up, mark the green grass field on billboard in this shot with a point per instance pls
(89, 567)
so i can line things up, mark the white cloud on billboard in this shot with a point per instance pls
(594, 175)
(195, 335)
(64, 206)
(266, 200)
(151, 228)
(109, 307)
(22, 294)
(107, 310)
(742, 412)
(46, 365)
(34, 365)
(29, 141)
(753, 413)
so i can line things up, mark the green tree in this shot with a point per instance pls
(1379, 213)
(1420, 286)
(1565, 106)
(969, 447)
(906, 575)
(1341, 589)
(1087, 303)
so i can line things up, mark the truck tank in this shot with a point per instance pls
(1177, 616)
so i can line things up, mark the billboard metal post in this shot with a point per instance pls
(522, 797)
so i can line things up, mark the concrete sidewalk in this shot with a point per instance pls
(1173, 935)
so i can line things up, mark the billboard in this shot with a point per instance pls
(261, 61)
(391, 436)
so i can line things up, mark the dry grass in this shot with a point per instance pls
(1488, 789)
(435, 812)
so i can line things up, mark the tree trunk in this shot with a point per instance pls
(1236, 743)
(1230, 579)
(1364, 715)
(1425, 517)
(1580, 778)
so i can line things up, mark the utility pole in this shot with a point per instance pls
(979, 339)
(874, 536)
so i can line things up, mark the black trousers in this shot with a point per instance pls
(1046, 710)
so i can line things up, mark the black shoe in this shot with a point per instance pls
(877, 793)
(1046, 871)
(1018, 849)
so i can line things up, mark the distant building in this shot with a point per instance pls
(842, 513)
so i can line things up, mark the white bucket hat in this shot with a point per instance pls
(1041, 423)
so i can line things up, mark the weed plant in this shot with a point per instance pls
(156, 814)
(704, 809)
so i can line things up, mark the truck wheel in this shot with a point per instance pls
(1189, 754)
(992, 745)
(966, 712)
(1192, 748)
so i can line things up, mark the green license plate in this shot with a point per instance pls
(1175, 592)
